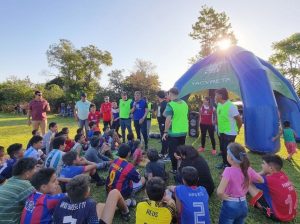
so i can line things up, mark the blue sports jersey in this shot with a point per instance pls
(140, 108)
(194, 204)
(6, 169)
(71, 171)
(39, 208)
(75, 213)
(33, 153)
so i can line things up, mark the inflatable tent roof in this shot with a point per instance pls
(263, 90)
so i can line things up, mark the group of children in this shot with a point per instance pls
(50, 182)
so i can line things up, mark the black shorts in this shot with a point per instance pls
(263, 205)
(102, 222)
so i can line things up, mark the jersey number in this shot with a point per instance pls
(200, 213)
(69, 220)
(112, 176)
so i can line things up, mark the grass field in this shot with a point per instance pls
(15, 129)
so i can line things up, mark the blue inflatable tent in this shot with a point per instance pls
(263, 90)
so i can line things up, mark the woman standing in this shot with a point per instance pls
(207, 120)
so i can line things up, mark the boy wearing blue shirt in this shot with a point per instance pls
(191, 200)
(139, 109)
(40, 205)
(33, 150)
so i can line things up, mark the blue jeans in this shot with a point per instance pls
(233, 212)
(125, 123)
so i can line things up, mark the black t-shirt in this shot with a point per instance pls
(162, 118)
(205, 178)
(157, 169)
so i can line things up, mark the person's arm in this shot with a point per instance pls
(239, 122)
(47, 107)
(178, 203)
(145, 115)
(29, 114)
(278, 135)
(214, 118)
(76, 112)
(167, 126)
(132, 106)
(221, 189)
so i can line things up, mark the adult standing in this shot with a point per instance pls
(149, 115)
(125, 119)
(176, 125)
(82, 109)
(139, 109)
(106, 112)
(161, 119)
(229, 123)
(207, 121)
(37, 111)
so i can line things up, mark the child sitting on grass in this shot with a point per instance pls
(34, 133)
(191, 199)
(2, 156)
(234, 185)
(69, 142)
(137, 153)
(40, 205)
(78, 147)
(34, 151)
(78, 207)
(289, 136)
(75, 165)
(276, 197)
(156, 167)
(159, 208)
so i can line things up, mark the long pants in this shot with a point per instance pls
(148, 126)
(106, 124)
(164, 143)
(211, 132)
(141, 128)
(224, 142)
(125, 123)
(116, 126)
(174, 142)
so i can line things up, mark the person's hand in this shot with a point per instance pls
(29, 122)
(165, 136)
(177, 156)
(83, 160)
(105, 147)
(274, 139)
(141, 120)
(225, 196)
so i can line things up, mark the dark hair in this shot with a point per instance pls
(138, 92)
(79, 130)
(78, 187)
(188, 151)
(136, 144)
(58, 141)
(1, 148)
(37, 92)
(273, 160)
(95, 141)
(35, 139)
(223, 92)
(286, 124)
(124, 150)
(174, 91)
(190, 175)
(59, 134)
(92, 105)
(91, 124)
(12, 149)
(239, 153)
(42, 177)
(23, 165)
(155, 188)
(97, 133)
(153, 155)
(207, 99)
(52, 125)
(65, 130)
(161, 94)
(130, 136)
(69, 158)
(105, 128)
(77, 137)
(34, 131)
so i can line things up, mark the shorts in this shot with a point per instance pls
(259, 201)
(291, 147)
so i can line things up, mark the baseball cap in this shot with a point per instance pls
(83, 94)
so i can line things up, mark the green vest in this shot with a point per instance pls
(125, 108)
(149, 112)
(180, 123)
(224, 125)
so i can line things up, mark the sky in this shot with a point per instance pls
(152, 30)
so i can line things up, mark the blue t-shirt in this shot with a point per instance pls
(6, 169)
(139, 111)
(194, 204)
(32, 153)
(71, 171)
(81, 212)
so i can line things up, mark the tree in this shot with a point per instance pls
(211, 28)
(286, 58)
(116, 81)
(143, 78)
(80, 69)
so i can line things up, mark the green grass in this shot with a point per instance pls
(15, 129)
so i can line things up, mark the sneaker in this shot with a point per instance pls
(213, 152)
(125, 216)
(130, 202)
(166, 158)
(201, 149)
(173, 171)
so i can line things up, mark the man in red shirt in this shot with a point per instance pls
(106, 112)
(276, 196)
(37, 111)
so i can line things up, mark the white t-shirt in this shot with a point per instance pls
(233, 112)
(83, 109)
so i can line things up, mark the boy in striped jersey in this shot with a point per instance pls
(40, 205)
